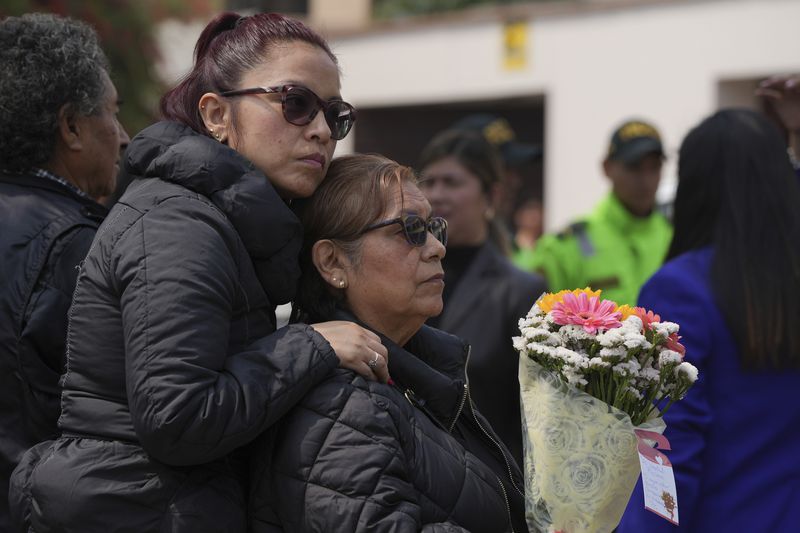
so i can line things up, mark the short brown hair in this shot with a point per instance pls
(355, 193)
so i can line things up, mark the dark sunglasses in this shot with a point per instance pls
(416, 228)
(301, 105)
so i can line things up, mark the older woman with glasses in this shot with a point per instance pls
(173, 362)
(358, 455)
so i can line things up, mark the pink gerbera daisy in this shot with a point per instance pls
(591, 313)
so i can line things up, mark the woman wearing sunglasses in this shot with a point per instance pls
(358, 455)
(173, 360)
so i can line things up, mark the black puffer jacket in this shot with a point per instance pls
(46, 231)
(414, 456)
(171, 367)
(484, 310)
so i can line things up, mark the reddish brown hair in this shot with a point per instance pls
(229, 46)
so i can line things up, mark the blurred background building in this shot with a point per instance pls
(563, 72)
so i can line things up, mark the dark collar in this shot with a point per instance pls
(89, 208)
(431, 364)
(479, 277)
(270, 231)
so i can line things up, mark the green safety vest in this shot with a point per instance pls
(610, 250)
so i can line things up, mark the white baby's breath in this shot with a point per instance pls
(665, 329)
(571, 357)
(627, 368)
(574, 377)
(635, 392)
(635, 340)
(535, 333)
(535, 311)
(669, 357)
(649, 374)
(575, 333)
(688, 370)
(612, 337)
(633, 323)
(597, 362)
(642, 374)
(617, 352)
(519, 343)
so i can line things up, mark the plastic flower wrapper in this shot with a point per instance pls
(592, 372)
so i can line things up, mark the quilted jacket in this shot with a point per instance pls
(46, 231)
(356, 455)
(173, 364)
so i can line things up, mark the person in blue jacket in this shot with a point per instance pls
(732, 282)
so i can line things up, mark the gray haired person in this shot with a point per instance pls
(60, 144)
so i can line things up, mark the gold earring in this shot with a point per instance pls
(202, 107)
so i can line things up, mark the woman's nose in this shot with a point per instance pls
(433, 247)
(318, 128)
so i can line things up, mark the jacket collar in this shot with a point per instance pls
(614, 212)
(469, 290)
(431, 364)
(271, 233)
(89, 208)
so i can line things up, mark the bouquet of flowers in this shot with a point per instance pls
(591, 372)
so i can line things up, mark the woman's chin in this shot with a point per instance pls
(435, 309)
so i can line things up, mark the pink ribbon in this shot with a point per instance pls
(648, 451)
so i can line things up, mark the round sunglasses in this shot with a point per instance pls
(300, 106)
(416, 228)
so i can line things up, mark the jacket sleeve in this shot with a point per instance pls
(342, 462)
(557, 258)
(191, 400)
(677, 299)
(43, 336)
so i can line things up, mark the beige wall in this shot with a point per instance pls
(595, 63)
(660, 61)
(339, 15)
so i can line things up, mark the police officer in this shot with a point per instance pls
(619, 245)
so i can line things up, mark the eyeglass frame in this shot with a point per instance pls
(283, 90)
(402, 221)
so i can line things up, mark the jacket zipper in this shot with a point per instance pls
(102, 229)
(411, 397)
(466, 391)
(460, 407)
(508, 506)
(499, 448)
(486, 433)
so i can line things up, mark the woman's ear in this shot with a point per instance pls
(216, 113)
(331, 263)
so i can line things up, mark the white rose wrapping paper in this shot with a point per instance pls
(580, 455)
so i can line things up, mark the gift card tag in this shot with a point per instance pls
(658, 480)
